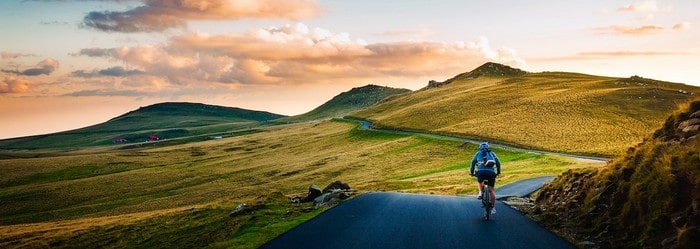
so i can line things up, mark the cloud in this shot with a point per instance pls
(596, 55)
(46, 67)
(503, 55)
(158, 15)
(12, 84)
(108, 93)
(112, 71)
(297, 54)
(54, 23)
(681, 26)
(645, 6)
(93, 52)
(641, 30)
(11, 55)
(626, 53)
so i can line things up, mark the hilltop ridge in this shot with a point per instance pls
(553, 111)
(345, 103)
(488, 69)
(164, 120)
(199, 109)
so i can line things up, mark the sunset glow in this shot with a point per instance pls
(67, 64)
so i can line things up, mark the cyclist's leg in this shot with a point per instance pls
(480, 181)
(491, 177)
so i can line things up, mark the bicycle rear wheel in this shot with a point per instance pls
(486, 201)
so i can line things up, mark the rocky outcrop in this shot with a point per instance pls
(330, 195)
(434, 84)
(648, 198)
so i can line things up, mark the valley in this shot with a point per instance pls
(181, 168)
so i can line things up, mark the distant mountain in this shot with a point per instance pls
(554, 111)
(154, 122)
(645, 198)
(185, 114)
(347, 102)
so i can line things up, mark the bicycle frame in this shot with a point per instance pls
(486, 200)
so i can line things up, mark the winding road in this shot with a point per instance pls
(398, 220)
(367, 125)
(407, 221)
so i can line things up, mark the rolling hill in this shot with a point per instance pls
(164, 120)
(554, 111)
(645, 198)
(347, 102)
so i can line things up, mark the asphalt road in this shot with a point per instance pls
(522, 188)
(396, 220)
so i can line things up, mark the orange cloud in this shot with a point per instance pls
(293, 54)
(627, 30)
(11, 55)
(681, 26)
(159, 15)
(12, 84)
(641, 30)
(594, 55)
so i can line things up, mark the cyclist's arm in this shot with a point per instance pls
(472, 164)
(498, 164)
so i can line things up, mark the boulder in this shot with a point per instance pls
(318, 201)
(691, 129)
(695, 114)
(336, 185)
(314, 191)
(240, 209)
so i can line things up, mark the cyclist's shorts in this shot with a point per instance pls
(482, 175)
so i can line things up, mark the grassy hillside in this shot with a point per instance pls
(647, 198)
(180, 196)
(166, 120)
(347, 102)
(565, 112)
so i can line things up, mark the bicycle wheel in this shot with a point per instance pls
(486, 201)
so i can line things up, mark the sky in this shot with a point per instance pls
(67, 64)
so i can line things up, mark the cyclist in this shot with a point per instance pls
(484, 161)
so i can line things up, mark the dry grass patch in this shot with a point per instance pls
(562, 112)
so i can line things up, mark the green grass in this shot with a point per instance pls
(209, 226)
(165, 187)
(188, 121)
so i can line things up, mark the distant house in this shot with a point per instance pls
(153, 137)
(119, 140)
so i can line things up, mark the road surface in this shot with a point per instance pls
(397, 220)
(522, 188)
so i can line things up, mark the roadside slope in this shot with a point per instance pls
(648, 197)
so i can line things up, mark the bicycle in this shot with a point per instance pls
(486, 200)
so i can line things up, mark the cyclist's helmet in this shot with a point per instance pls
(484, 146)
